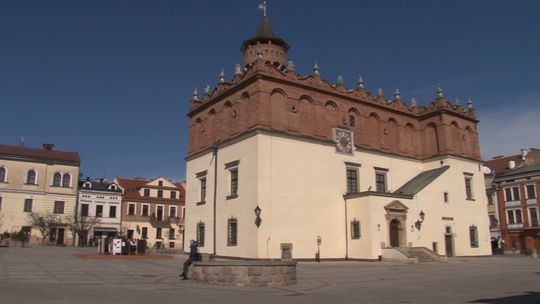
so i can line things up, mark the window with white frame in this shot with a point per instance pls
(352, 179)
(159, 213)
(355, 229)
(131, 209)
(201, 176)
(3, 175)
(112, 211)
(511, 193)
(31, 177)
(172, 211)
(514, 216)
(145, 210)
(66, 180)
(232, 167)
(468, 186)
(533, 217)
(59, 207)
(57, 179)
(531, 191)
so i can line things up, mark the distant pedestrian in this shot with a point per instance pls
(193, 256)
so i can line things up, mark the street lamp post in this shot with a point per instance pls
(318, 254)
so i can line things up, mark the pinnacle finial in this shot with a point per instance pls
(360, 82)
(316, 70)
(414, 103)
(222, 76)
(237, 70)
(207, 89)
(469, 103)
(340, 80)
(439, 92)
(262, 8)
(380, 92)
(290, 65)
(458, 102)
(195, 95)
(397, 96)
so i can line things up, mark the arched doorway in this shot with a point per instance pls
(395, 227)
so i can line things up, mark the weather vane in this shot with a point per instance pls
(262, 8)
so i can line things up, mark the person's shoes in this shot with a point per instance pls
(184, 278)
(182, 275)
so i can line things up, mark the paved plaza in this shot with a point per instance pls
(55, 275)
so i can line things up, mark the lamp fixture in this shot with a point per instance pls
(258, 219)
(418, 223)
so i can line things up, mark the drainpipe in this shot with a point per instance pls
(215, 151)
(346, 232)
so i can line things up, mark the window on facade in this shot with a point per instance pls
(531, 191)
(171, 234)
(146, 192)
(159, 213)
(160, 193)
(2, 175)
(131, 209)
(28, 205)
(202, 180)
(473, 235)
(145, 210)
(511, 194)
(493, 222)
(514, 216)
(380, 181)
(0, 203)
(173, 194)
(31, 177)
(352, 121)
(234, 182)
(66, 180)
(59, 207)
(355, 229)
(57, 179)
(144, 232)
(200, 234)
(232, 232)
(468, 187)
(352, 180)
(533, 214)
(158, 233)
(99, 210)
(172, 211)
(445, 197)
(84, 209)
(112, 211)
(160, 183)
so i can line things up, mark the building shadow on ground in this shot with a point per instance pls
(530, 297)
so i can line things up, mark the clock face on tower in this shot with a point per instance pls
(344, 141)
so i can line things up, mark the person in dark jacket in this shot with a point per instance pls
(193, 256)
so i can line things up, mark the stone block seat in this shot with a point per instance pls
(245, 273)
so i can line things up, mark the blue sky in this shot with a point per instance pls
(112, 80)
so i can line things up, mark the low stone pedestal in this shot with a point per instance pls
(245, 273)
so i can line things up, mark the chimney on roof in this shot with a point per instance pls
(511, 164)
(524, 153)
(48, 147)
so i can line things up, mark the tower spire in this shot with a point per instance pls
(262, 8)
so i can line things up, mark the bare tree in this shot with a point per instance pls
(44, 223)
(81, 226)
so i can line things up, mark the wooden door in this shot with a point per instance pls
(394, 233)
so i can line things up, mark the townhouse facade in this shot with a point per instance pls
(153, 210)
(39, 182)
(514, 188)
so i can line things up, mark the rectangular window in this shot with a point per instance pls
(234, 182)
(160, 183)
(84, 209)
(468, 187)
(473, 234)
(145, 210)
(0, 203)
(171, 234)
(200, 234)
(355, 229)
(232, 232)
(112, 212)
(352, 180)
(172, 211)
(531, 192)
(146, 192)
(380, 181)
(202, 181)
(159, 213)
(158, 233)
(511, 194)
(144, 232)
(514, 216)
(160, 193)
(28, 205)
(173, 194)
(99, 210)
(445, 197)
(493, 222)
(131, 209)
(59, 207)
(533, 214)
(352, 121)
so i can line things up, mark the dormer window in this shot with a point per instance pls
(160, 183)
(87, 185)
(146, 192)
(113, 187)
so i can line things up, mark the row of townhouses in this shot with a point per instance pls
(40, 191)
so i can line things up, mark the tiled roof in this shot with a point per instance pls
(420, 181)
(500, 165)
(132, 186)
(522, 170)
(39, 154)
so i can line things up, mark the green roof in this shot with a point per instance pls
(420, 181)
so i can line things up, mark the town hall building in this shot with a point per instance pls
(282, 165)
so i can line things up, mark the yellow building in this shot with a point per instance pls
(42, 181)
